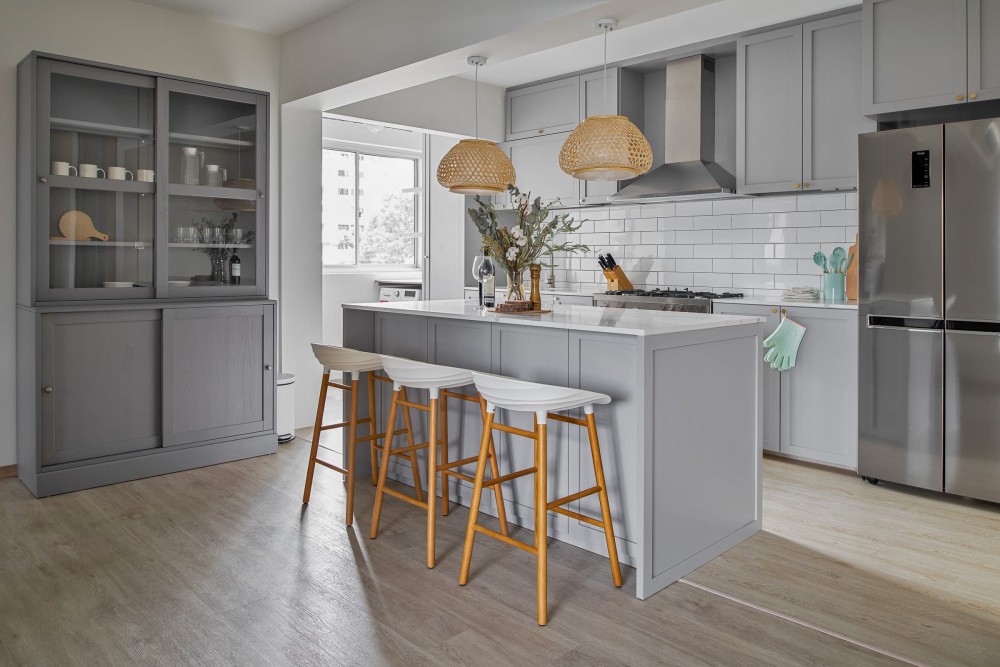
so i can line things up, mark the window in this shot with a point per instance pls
(375, 222)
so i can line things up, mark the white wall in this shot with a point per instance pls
(447, 230)
(117, 32)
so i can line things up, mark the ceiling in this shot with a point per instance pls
(271, 16)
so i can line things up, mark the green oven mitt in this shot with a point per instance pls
(783, 345)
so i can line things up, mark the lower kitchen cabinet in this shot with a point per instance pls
(811, 410)
(114, 393)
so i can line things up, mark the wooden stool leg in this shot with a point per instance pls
(541, 522)
(383, 471)
(432, 481)
(316, 433)
(373, 426)
(443, 426)
(477, 495)
(609, 530)
(410, 441)
(352, 443)
(494, 473)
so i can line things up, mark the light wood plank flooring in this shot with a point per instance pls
(221, 566)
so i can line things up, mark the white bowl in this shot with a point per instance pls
(118, 283)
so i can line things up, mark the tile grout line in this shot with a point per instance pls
(805, 624)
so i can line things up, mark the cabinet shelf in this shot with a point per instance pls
(103, 184)
(87, 127)
(220, 192)
(138, 245)
(212, 142)
(237, 246)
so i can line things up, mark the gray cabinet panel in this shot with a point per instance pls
(914, 54)
(595, 102)
(984, 49)
(537, 164)
(832, 116)
(216, 382)
(543, 109)
(819, 408)
(103, 369)
(769, 111)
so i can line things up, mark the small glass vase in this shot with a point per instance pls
(515, 286)
(218, 269)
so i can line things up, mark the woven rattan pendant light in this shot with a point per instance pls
(476, 166)
(606, 148)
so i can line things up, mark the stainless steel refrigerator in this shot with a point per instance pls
(929, 307)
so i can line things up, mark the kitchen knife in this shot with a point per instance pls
(600, 260)
(610, 260)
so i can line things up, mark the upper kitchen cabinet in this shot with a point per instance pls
(984, 49)
(621, 94)
(799, 107)
(536, 162)
(543, 109)
(915, 52)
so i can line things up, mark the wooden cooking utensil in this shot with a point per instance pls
(851, 290)
(79, 226)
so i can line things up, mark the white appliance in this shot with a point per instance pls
(399, 293)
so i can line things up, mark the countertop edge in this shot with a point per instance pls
(755, 301)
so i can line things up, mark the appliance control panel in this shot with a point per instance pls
(921, 169)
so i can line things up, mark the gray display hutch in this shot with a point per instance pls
(136, 355)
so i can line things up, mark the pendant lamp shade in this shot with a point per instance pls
(606, 148)
(476, 167)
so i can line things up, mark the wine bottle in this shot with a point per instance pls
(490, 291)
(234, 269)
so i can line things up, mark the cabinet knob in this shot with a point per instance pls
(959, 97)
(784, 312)
(47, 390)
(973, 96)
(796, 186)
(805, 184)
(260, 194)
(774, 311)
(541, 130)
(267, 367)
(43, 179)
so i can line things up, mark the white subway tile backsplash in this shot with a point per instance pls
(753, 250)
(721, 250)
(753, 281)
(694, 265)
(701, 236)
(595, 239)
(824, 202)
(732, 236)
(753, 221)
(774, 235)
(808, 266)
(586, 227)
(821, 234)
(775, 266)
(734, 265)
(675, 251)
(784, 282)
(731, 206)
(640, 225)
(851, 200)
(640, 251)
(774, 204)
(683, 222)
(656, 210)
(609, 225)
(658, 238)
(806, 219)
(844, 218)
(693, 208)
(713, 279)
(626, 238)
(713, 222)
(674, 279)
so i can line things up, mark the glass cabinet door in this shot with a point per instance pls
(214, 194)
(96, 165)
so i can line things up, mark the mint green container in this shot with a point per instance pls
(833, 287)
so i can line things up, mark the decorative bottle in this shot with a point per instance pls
(234, 269)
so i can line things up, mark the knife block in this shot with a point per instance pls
(617, 280)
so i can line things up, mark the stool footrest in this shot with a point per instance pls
(577, 516)
(411, 404)
(343, 424)
(379, 436)
(462, 476)
(509, 476)
(345, 387)
(403, 496)
(409, 448)
(504, 538)
(445, 467)
(516, 431)
(331, 466)
(576, 496)
(459, 395)
(567, 420)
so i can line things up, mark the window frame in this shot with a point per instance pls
(359, 149)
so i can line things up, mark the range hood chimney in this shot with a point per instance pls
(690, 171)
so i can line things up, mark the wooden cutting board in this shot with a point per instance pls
(851, 290)
(79, 226)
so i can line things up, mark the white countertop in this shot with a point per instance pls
(631, 321)
(558, 291)
(763, 301)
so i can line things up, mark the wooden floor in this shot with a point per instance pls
(221, 566)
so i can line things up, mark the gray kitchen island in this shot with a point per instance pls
(681, 440)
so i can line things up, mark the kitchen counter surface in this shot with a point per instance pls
(629, 321)
(763, 301)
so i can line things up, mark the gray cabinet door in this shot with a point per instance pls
(769, 111)
(831, 102)
(819, 396)
(595, 102)
(984, 49)
(536, 161)
(913, 54)
(771, 400)
(100, 384)
(218, 378)
(543, 109)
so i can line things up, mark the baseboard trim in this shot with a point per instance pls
(8, 471)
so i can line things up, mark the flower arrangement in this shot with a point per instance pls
(518, 247)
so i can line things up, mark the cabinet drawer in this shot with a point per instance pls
(543, 109)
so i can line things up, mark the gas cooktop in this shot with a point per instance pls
(674, 294)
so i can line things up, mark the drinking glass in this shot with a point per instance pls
(482, 268)
(236, 236)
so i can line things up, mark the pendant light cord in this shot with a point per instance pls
(605, 70)
(477, 100)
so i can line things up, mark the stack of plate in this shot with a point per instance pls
(801, 294)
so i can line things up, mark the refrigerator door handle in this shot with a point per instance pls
(972, 327)
(908, 323)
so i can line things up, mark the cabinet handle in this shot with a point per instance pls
(43, 179)
(795, 185)
(774, 311)
(959, 97)
(973, 96)
(48, 390)
(267, 367)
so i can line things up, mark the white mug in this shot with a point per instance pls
(120, 174)
(144, 175)
(90, 171)
(62, 169)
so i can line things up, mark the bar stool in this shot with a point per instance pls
(437, 380)
(345, 360)
(541, 399)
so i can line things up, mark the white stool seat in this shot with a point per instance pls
(510, 394)
(420, 375)
(345, 359)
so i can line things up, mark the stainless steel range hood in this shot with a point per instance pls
(690, 172)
